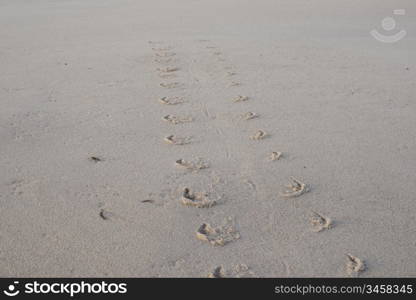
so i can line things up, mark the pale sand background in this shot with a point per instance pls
(77, 78)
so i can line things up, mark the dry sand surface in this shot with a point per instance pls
(156, 138)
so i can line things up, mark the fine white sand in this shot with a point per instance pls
(80, 79)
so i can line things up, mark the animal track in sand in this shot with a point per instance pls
(320, 222)
(295, 189)
(219, 272)
(167, 75)
(218, 236)
(229, 74)
(217, 53)
(168, 48)
(174, 140)
(354, 265)
(169, 85)
(167, 69)
(176, 120)
(234, 84)
(171, 100)
(239, 271)
(199, 164)
(259, 135)
(249, 116)
(199, 200)
(105, 215)
(276, 155)
(240, 98)
(165, 54)
(21, 186)
(155, 42)
(163, 60)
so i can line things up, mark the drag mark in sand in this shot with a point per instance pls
(147, 201)
(96, 159)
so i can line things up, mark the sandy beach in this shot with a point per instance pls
(157, 138)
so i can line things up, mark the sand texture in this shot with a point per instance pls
(221, 138)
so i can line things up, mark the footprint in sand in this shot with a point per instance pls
(239, 271)
(171, 100)
(22, 186)
(320, 222)
(105, 214)
(295, 189)
(239, 98)
(259, 135)
(249, 116)
(219, 272)
(174, 140)
(198, 164)
(200, 200)
(218, 236)
(162, 49)
(167, 69)
(167, 75)
(163, 60)
(155, 42)
(234, 84)
(165, 54)
(170, 85)
(354, 265)
(276, 155)
(176, 120)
